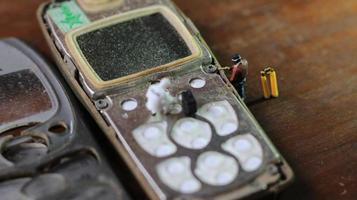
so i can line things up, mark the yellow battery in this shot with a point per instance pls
(264, 82)
(274, 83)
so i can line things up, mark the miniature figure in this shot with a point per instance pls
(239, 74)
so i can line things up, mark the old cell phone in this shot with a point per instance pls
(129, 59)
(47, 148)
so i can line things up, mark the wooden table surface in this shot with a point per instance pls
(313, 46)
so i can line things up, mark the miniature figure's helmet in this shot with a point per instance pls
(236, 59)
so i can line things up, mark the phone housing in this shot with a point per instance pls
(112, 56)
(48, 148)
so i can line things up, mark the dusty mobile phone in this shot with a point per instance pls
(148, 78)
(47, 150)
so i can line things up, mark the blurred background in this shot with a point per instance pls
(312, 44)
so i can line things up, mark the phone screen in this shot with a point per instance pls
(132, 46)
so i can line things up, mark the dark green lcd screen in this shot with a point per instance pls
(132, 46)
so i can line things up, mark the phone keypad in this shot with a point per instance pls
(211, 167)
(216, 161)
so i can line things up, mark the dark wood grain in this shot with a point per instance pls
(313, 46)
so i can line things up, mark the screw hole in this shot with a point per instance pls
(58, 128)
(101, 104)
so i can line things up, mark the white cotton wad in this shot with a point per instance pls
(159, 98)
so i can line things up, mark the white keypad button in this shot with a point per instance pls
(242, 145)
(165, 149)
(190, 186)
(175, 168)
(176, 174)
(212, 161)
(187, 125)
(228, 128)
(222, 115)
(224, 178)
(152, 137)
(191, 133)
(253, 163)
(247, 150)
(199, 143)
(216, 110)
(152, 133)
(216, 168)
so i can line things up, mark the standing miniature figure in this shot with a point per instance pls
(239, 74)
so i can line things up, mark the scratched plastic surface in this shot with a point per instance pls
(22, 95)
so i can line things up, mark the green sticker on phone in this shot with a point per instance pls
(68, 16)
